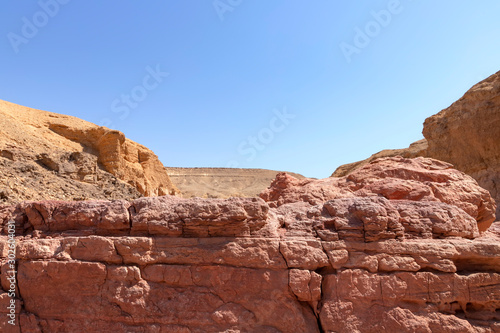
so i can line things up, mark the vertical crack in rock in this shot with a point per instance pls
(320, 302)
(381, 292)
(282, 255)
(308, 305)
(130, 214)
(320, 326)
(116, 251)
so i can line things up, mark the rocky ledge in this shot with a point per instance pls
(400, 245)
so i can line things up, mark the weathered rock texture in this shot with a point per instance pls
(45, 155)
(335, 255)
(416, 149)
(221, 182)
(466, 134)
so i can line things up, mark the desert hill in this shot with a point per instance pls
(222, 182)
(45, 155)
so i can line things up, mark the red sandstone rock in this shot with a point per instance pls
(377, 251)
(408, 302)
(288, 189)
(394, 178)
(198, 217)
(101, 217)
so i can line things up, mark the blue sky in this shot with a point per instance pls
(302, 86)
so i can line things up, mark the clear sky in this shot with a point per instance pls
(302, 86)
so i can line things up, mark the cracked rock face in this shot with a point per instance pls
(399, 246)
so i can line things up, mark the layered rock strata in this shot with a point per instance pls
(314, 256)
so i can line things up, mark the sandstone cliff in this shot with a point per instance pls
(45, 155)
(466, 134)
(221, 182)
(394, 247)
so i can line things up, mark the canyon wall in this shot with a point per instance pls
(467, 134)
(399, 245)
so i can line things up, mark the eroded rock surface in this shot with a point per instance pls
(44, 155)
(416, 149)
(344, 255)
(467, 134)
(394, 178)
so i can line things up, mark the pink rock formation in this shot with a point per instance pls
(320, 256)
(394, 178)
